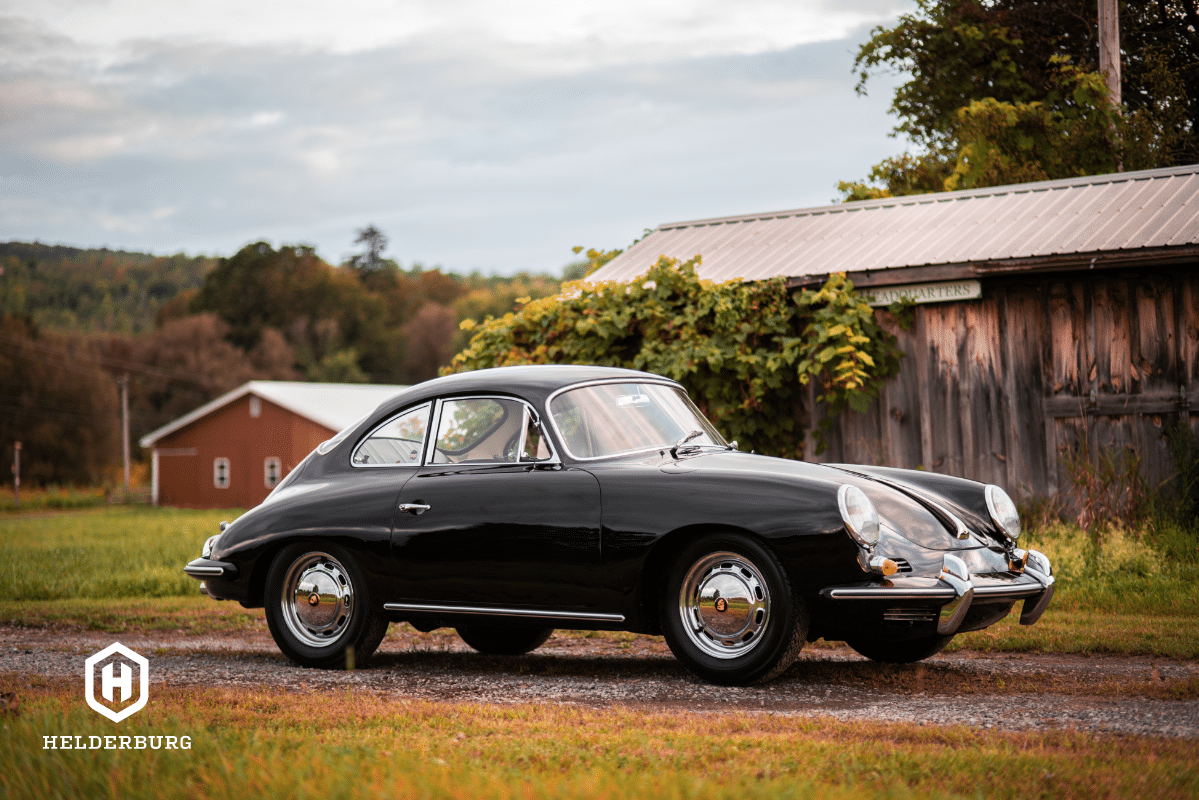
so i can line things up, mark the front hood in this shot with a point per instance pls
(896, 510)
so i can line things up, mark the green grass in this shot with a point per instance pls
(100, 568)
(1085, 632)
(344, 744)
(193, 614)
(53, 498)
(106, 553)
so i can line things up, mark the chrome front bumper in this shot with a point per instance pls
(956, 590)
(203, 568)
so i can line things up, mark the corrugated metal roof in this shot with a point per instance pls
(334, 405)
(1128, 211)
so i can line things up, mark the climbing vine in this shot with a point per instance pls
(744, 351)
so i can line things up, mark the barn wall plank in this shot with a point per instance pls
(924, 380)
(1023, 333)
(900, 401)
(945, 389)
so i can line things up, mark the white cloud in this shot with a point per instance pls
(628, 29)
(497, 146)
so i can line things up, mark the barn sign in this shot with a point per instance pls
(942, 292)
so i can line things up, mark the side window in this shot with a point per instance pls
(271, 469)
(397, 441)
(479, 429)
(220, 473)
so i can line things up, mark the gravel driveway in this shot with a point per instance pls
(1004, 691)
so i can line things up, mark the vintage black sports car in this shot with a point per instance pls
(507, 502)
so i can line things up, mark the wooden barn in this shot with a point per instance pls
(232, 451)
(1049, 315)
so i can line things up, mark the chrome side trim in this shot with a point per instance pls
(886, 592)
(491, 611)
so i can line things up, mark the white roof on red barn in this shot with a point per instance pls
(1006, 228)
(333, 405)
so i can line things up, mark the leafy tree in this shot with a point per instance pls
(374, 242)
(321, 310)
(1006, 91)
(59, 403)
(429, 337)
(743, 350)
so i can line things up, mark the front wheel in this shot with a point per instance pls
(729, 612)
(907, 651)
(318, 607)
(504, 641)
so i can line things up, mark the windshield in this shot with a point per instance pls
(613, 418)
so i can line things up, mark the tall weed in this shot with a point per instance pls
(1108, 488)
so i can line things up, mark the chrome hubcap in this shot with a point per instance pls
(724, 605)
(318, 599)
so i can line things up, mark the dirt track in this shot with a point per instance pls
(1005, 691)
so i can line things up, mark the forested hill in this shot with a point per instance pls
(93, 290)
(187, 329)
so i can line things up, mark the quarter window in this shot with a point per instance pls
(220, 473)
(271, 469)
(397, 441)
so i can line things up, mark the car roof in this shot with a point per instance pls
(533, 382)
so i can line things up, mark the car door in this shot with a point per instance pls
(493, 518)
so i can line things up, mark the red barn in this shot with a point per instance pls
(232, 451)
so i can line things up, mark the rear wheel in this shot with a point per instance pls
(504, 641)
(903, 652)
(729, 612)
(318, 607)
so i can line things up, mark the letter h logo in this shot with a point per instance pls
(113, 679)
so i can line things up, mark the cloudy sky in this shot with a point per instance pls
(475, 134)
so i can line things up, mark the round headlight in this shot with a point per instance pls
(209, 543)
(861, 520)
(1003, 511)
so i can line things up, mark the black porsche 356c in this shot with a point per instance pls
(507, 502)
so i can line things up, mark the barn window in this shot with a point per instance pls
(220, 473)
(255, 407)
(271, 471)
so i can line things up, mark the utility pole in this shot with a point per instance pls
(124, 383)
(1109, 47)
(16, 473)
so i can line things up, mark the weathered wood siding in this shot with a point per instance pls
(1000, 388)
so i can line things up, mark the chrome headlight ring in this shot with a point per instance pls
(859, 515)
(1003, 511)
(209, 544)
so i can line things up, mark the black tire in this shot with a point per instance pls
(345, 633)
(768, 624)
(496, 640)
(907, 651)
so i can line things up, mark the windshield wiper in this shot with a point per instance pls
(674, 451)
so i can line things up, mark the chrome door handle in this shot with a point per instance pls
(414, 508)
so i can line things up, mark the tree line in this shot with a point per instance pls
(187, 329)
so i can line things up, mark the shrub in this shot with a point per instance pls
(743, 350)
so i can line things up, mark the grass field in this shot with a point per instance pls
(103, 552)
(118, 569)
(328, 745)
(115, 568)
